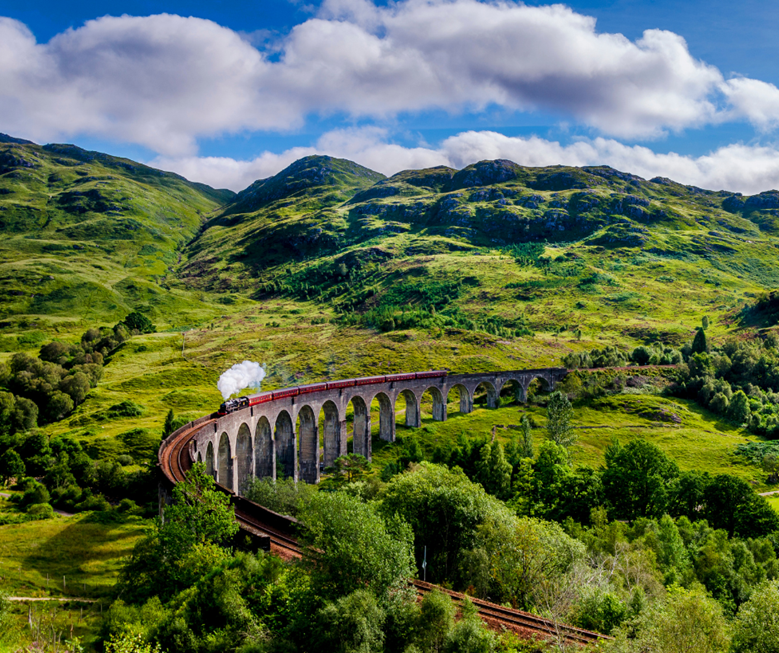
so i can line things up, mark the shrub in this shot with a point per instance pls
(40, 511)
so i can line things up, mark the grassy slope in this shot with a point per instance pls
(90, 237)
(622, 276)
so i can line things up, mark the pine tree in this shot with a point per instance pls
(699, 344)
(168, 428)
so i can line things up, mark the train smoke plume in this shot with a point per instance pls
(240, 376)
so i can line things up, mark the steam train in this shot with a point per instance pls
(231, 405)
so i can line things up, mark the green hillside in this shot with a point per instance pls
(330, 270)
(92, 236)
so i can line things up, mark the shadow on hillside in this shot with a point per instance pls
(87, 553)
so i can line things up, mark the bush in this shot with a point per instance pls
(126, 408)
(40, 511)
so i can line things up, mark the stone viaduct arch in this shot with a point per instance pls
(281, 437)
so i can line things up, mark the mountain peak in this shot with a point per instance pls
(310, 172)
(5, 138)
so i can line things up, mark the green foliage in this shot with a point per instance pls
(526, 438)
(558, 425)
(443, 508)
(349, 546)
(687, 620)
(699, 343)
(756, 629)
(198, 521)
(494, 471)
(138, 322)
(637, 479)
(525, 558)
(436, 615)
(129, 643)
(11, 465)
(352, 624)
(168, 428)
(347, 469)
(283, 495)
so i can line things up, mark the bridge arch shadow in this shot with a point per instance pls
(538, 387)
(265, 455)
(243, 457)
(512, 392)
(210, 466)
(412, 417)
(330, 425)
(308, 436)
(361, 427)
(459, 400)
(224, 457)
(286, 462)
(432, 404)
(485, 395)
(382, 413)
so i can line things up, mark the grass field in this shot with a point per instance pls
(701, 442)
(61, 558)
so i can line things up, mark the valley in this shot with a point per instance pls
(329, 270)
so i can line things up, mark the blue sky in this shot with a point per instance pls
(227, 92)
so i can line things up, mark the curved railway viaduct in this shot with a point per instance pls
(281, 435)
(245, 431)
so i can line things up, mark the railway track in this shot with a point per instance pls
(174, 463)
(523, 623)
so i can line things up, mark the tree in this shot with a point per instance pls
(641, 355)
(11, 465)
(194, 525)
(770, 464)
(352, 624)
(494, 471)
(526, 438)
(167, 429)
(443, 507)
(469, 634)
(756, 628)
(637, 479)
(738, 410)
(699, 342)
(76, 386)
(436, 617)
(558, 426)
(348, 469)
(199, 512)
(705, 322)
(58, 406)
(525, 555)
(688, 621)
(348, 546)
(136, 321)
(732, 504)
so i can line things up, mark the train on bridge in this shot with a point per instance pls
(263, 397)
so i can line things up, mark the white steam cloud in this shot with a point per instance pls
(241, 375)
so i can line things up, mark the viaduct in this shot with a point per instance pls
(281, 434)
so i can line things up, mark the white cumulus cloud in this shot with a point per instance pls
(737, 167)
(165, 81)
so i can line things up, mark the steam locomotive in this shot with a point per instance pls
(231, 405)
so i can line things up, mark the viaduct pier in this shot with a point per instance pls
(295, 432)
(280, 430)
